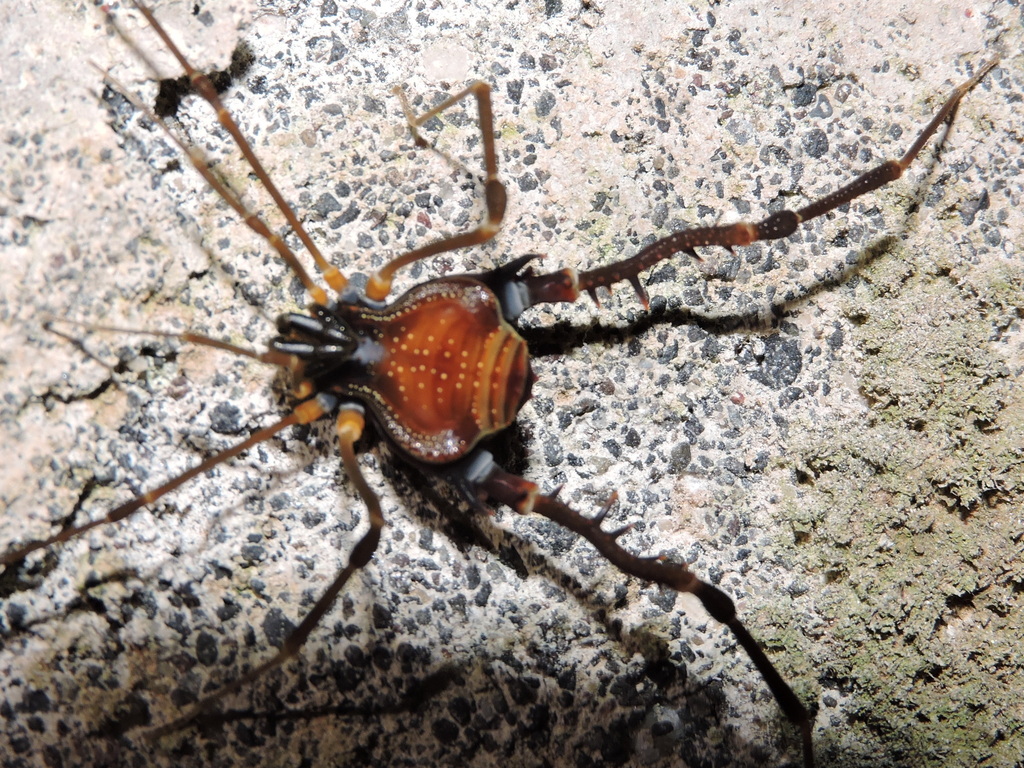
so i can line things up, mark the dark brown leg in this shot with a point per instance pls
(525, 497)
(306, 412)
(379, 284)
(271, 356)
(567, 285)
(350, 424)
(202, 85)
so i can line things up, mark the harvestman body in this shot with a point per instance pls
(442, 369)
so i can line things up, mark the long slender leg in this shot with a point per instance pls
(525, 497)
(304, 413)
(566, 285)
(379, 284)
(271, 356)
(202, 85)
(250, 219)
(350, 424)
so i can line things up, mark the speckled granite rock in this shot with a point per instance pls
(828, 428)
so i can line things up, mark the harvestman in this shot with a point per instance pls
(441, 369)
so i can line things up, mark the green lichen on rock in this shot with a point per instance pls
(911, 514)
(934, 368)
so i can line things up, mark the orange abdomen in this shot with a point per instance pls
(453, 370)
